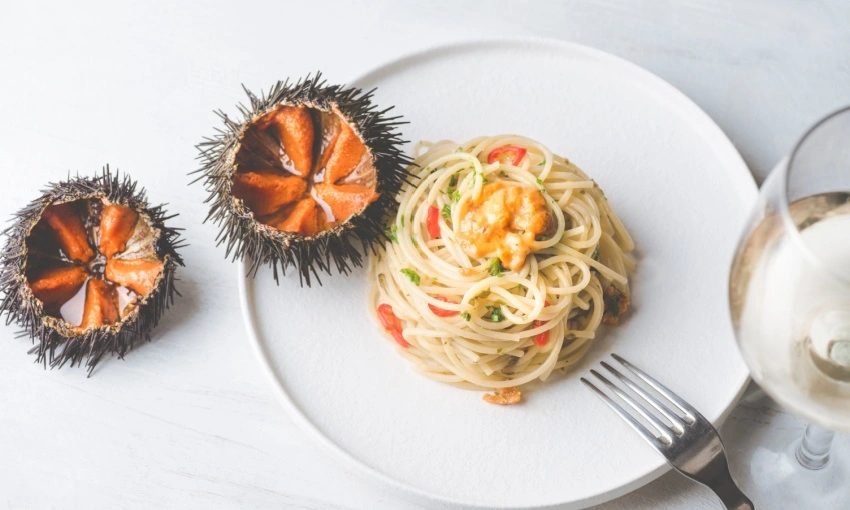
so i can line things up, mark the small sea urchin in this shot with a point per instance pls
(88, 269)
(309, 169)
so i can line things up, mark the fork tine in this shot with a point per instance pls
(660, 388)
(662, 428)
(628, 418)
(661, 408)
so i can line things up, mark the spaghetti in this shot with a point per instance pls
(479, 288)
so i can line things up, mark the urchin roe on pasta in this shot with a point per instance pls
(504, 221)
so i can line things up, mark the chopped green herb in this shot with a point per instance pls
(413, 240)
(465, 316)
(503, 173)
(413, 275)
(402, 220)
(495, 313)
(455, 195)
(542, 163)
(447, 211)
(391, 233)
(496, 268)
(595, 255)
(453, 181)
(540, 181)
(459, 149)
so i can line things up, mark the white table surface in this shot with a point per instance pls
(188, 421)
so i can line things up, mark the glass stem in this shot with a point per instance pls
(813, 452)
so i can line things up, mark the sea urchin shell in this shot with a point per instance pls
(308, 169)
(88, 269)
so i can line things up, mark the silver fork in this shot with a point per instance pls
(689, 442)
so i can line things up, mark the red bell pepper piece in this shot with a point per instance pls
(541, 339)
(507, 154)
(433, 222)
(391, 323)
(441, 312)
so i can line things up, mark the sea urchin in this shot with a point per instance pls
(308, 169)
(88, 269)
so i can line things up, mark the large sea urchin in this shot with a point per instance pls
(309, 169)
(88, 269)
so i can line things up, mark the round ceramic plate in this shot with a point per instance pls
(681, 189)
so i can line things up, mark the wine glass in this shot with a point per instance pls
(789, 293)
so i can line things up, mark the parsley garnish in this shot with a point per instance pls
(465, 316)
(595, 255)
(451, 191)
(447, 211)
(542, 163)
(391, 232)
(540, 181)
(495, 313)
(496, 268)
(402, 220)
(503, 173)
(414, 241)
(413, 275)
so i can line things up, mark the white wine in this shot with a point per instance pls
(790, 300)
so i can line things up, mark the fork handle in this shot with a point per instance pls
(730, 494)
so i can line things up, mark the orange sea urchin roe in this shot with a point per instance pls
(138, 275)
(303, 218)
(345, 200)
(70, 233)
(347, 152)
(56, 285)
(265, 193)
(295, 129)
(101, 306)
(117, 223)
(503, 222)
(291, 183)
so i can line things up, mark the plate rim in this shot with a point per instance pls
(745, 185)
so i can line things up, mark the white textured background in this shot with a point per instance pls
(188, 421)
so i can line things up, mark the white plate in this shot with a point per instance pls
(679, 186)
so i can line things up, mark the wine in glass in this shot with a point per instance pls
(790, 300)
